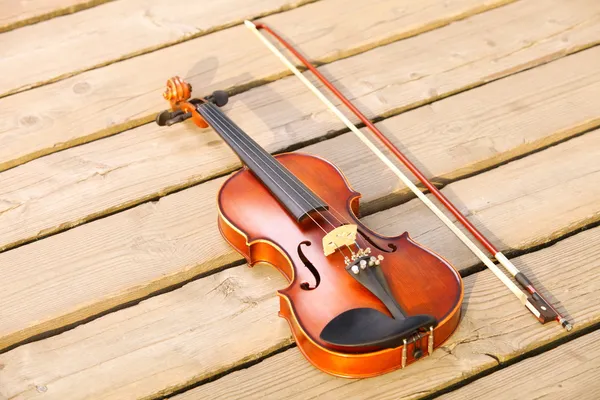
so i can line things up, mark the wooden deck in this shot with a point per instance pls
(114, 280)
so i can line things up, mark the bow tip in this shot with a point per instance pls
(249, 24)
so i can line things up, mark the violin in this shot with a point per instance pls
(358, 304)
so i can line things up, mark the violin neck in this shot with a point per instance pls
(289, 191)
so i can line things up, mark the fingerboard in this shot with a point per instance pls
(289, 191)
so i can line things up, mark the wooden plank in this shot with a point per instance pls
(115, 31)
(494, 324)
(137, 252)
(14, 14)
(568, 371)
(34, 126)
(76, 185)
(228, 318)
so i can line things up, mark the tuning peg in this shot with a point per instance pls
(219, 97)
(163, 117)
(169, 118)
(179, 118)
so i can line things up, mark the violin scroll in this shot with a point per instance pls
(178, 93)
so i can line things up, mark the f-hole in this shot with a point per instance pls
(310, 266)
(391, 247)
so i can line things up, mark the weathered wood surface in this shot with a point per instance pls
(229, 318)
(82, 183)
(91, 105)
(114, 31)
(569, 371)
(87, 270)
(14, 14)
(34, 127)
(494, 325)
(472, 143)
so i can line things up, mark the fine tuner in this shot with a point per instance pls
(361, 260)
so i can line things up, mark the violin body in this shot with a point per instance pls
(320, 288)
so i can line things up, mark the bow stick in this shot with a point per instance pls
(535, 302)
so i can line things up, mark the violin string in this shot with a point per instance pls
(243, 137)
(215, 114)
(314, 196)
(214, 118)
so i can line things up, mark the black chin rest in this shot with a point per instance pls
(368, 327)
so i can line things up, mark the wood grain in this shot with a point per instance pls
(15, 14)
(494, 324)
(85, 271)
(115, 31)
(229, 318)
(68, 188)
(568, 371)
(224, 320)
(122, 95)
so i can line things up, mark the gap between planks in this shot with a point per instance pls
(35, 128)
(172, 149)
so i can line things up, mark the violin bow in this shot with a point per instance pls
(535, 302)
